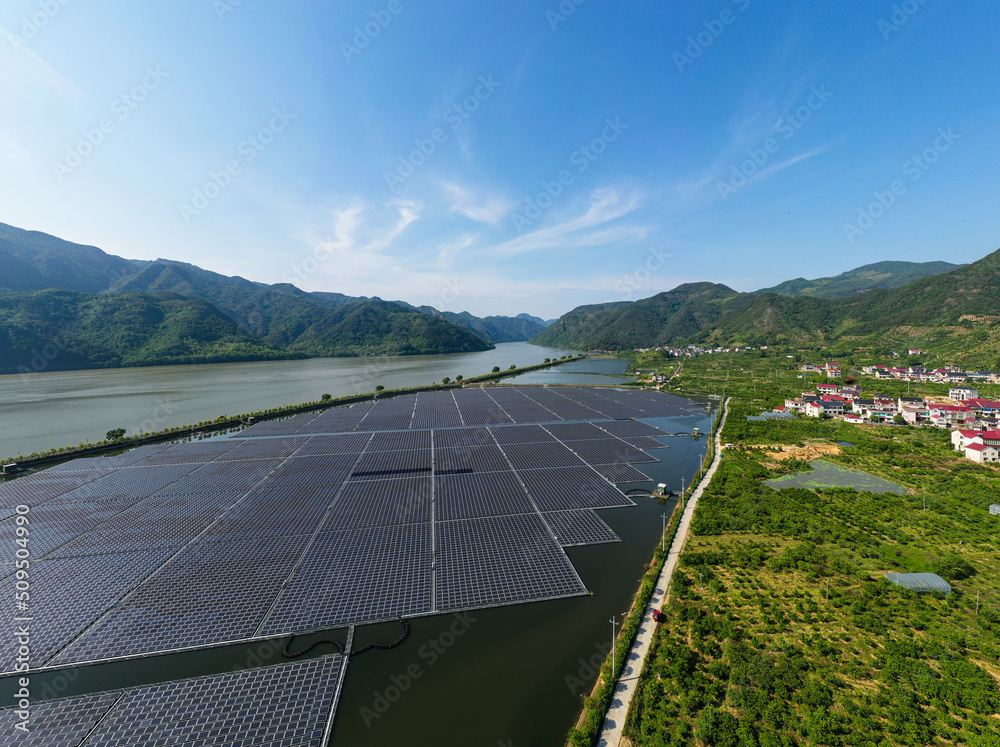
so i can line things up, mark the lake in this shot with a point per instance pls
(47, 410)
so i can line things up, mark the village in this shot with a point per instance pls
(974, 422)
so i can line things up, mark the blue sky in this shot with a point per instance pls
(505, 157)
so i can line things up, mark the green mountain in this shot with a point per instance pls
(862, 279)
(682, 313)
(268, 321)
(52, 330)
(956, 313)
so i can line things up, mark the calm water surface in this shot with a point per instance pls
(42, 411)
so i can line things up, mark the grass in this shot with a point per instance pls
(827, 475)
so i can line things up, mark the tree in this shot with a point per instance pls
(512, 366)
(898, 419)
(116, 434)
(496, 369)
(379, 388)
(446, 380)
(459, 377)
(326, 397)
(548, 360)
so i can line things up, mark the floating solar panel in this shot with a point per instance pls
(68, 594)
(645, 442)
(621, 473)
(500, 560)
(221, 476)
(130, 457)
(287, 704)
(44, 486)
(347, 443)
(62, 723)
(382, 464)
(210, 593)
(401, 441)
(624, 428)
(531, 456)
(469, 459)
(312, 470)
(373, 503)
(579, 528)
(283, 427)
(337, 420)
(463, 437)
(137, 482)
(609, 451)
(189, 453)
(263, 448)
(575, 431)
(522, 434)
(271, 511)
(571, 487)
(370, 574)
(486, 494)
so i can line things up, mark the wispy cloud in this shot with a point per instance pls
(19, 63)
(483, 207)
(606, 205)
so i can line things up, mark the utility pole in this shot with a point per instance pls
(663, 540)
(682, 494)
(613, 622)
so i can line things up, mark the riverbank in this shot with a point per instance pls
(224, 422)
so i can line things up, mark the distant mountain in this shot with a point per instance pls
(684, 312)
(956, 312)
(535, 319)
(862, 279)
(282, 319)
(53, 330)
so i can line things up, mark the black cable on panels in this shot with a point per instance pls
(340, 646)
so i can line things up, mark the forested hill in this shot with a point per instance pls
(265, 321)
(861, 279)
(955, 310)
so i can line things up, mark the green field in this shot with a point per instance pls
(827, 475)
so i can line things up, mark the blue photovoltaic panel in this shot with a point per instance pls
(609, 451)
(623, 428)
(579, 528)
(212, 592)
(458, 437)
(400, 441)
(372, 503)
(283, 427)
(196, 452)
(68, 594)
(312, 470)
(131, 481)
(645, 442)
(221, 476)
(385, 464)
(522, 434)
(271, 511)
(287, 705)
(533, 456)
(33, 490)
(87, 464)
(337, 420)
(357, 575)
(575, 431)
(487, 494)
(571, 487)
(621, 473)
(264, 448)
(61, 723)
(345, 443)
(500, 560)
(469, 459)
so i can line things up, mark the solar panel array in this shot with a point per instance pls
(287, 704)
(307, 523)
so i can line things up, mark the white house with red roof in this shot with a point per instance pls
(827, 388)
(982, 453)
(950, 416)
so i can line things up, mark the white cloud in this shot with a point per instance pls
(483, 207)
